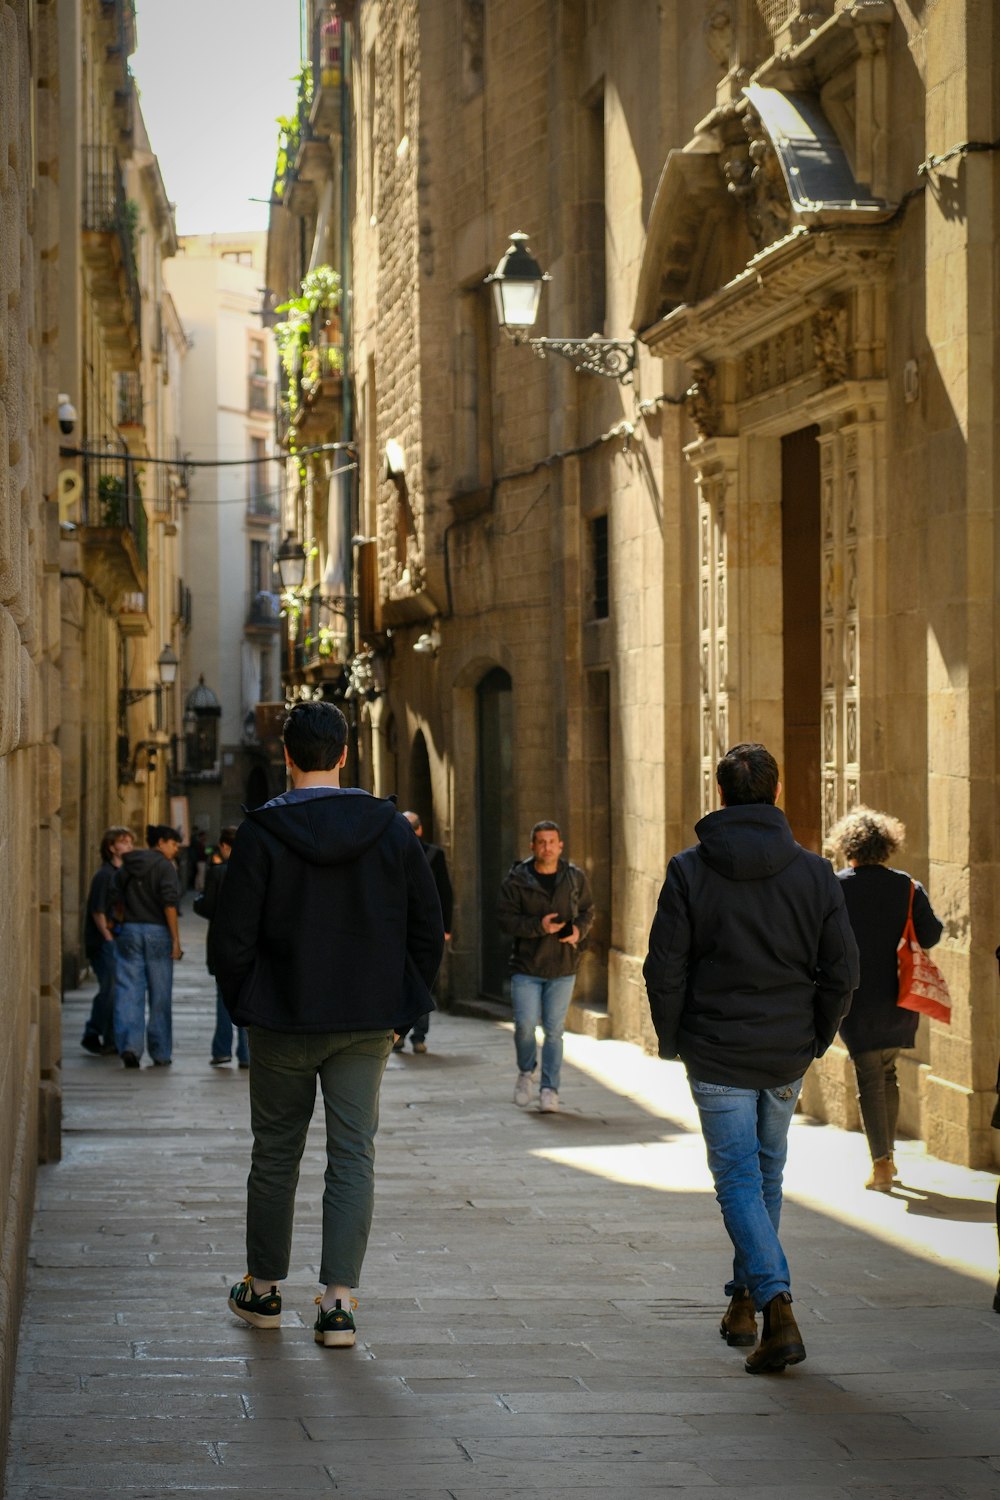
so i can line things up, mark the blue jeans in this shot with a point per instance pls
(143, 964)
(222, 1041)
(746, 1138)
(283, 1073)
(102, 1012)
(540, 1000)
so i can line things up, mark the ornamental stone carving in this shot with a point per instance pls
(701, 402)
(829, 337)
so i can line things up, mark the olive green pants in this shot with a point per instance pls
(283, 1072)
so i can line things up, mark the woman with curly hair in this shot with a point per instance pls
(875, 1029)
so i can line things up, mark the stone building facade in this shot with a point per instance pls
(29, 642)
(121, 484)
(782, 527)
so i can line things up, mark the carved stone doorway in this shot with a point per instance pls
(801, 634)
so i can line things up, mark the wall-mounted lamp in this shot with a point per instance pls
(395, 459)
(166, 665)
(428, 643)
(290, 562)
(517, 289)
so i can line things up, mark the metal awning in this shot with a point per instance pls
(814, 164)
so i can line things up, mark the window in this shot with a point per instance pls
(260, 568)
(239, 257)
(259, 474)
(599, 565)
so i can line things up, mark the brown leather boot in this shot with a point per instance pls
(780, 1341)
(739, 1321)
(882, 1174)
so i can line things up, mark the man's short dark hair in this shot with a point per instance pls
(315, 735)
(227, 834)
(544, 826)
(747, 774)
(157, 832)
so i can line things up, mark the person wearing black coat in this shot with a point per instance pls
(205, 905)
(327, 939)
(749, 973)
(877, 1029)
(435, 857)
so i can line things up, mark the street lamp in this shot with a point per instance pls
(290, 561)
(517, 289)
(166, 666)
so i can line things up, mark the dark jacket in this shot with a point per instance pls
(328, 919)
(206, 904)
(877, 899)
(751, 957)
(523, 903)
(144, 884)
(439, 869)
(98, 899)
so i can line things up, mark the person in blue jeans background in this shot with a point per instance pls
(144, 898)
(99, 943)
(751, 966)
(545, 905)
(206, 905)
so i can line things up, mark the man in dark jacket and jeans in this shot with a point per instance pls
(750, 970)
(546, 907)
(328, 936)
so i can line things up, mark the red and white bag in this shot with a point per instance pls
(922, 986)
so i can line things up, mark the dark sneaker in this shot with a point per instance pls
(262, 1312)
(219, 1062)
(130, 1060)
(335, 1329)
(91, 1043)
(419, 1045)
(108, 1049)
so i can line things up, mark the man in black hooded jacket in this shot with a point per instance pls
(750, 971)
(328, 936)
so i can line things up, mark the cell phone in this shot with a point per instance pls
(566, 930)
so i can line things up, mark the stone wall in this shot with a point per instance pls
(29, 643)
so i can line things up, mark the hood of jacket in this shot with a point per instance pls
(329, 830)
(748, 842)
(139, 862)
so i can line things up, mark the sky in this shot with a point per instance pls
(212, 76)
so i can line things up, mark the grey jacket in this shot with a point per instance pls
(523, 903)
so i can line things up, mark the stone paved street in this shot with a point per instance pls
(540, 1304)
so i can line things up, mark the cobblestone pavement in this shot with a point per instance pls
(540, 1306)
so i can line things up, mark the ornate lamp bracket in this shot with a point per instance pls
(612, 358)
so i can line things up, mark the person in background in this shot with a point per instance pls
(545, 905)
(99, 943)
(434, 855)
(205, 905)
(876, 1029)
(144, 896)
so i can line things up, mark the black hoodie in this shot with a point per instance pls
(328, 919)
(752, 960)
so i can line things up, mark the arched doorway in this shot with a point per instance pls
(420, 792)
(497, 842)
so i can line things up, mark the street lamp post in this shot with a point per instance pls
(517, 288)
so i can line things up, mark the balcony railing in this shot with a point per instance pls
(112, 501)
(327, 69)
(263, 611)
(107, 212)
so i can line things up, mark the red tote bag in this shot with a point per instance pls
(922, 986)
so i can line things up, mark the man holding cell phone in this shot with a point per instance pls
(545, 906)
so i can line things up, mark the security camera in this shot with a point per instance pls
(67, 414)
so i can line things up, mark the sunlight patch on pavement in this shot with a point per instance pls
(941, 1212)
